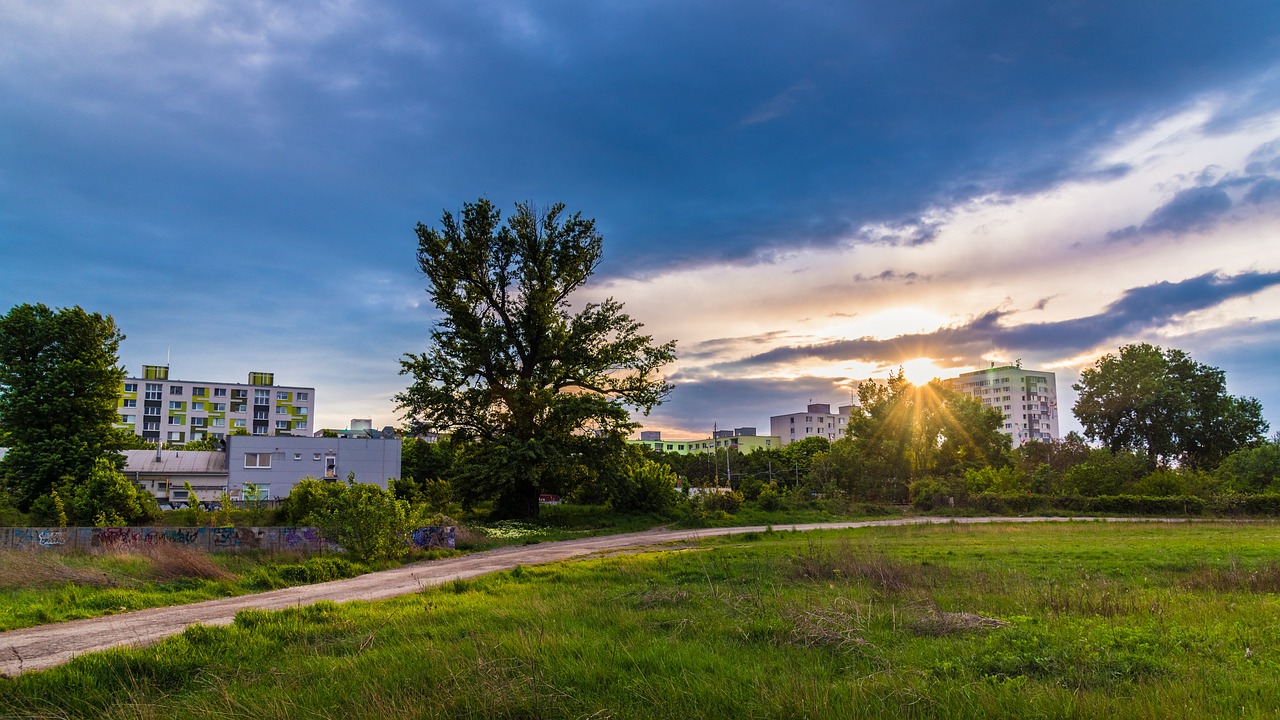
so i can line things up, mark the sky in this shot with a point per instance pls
(802, 195)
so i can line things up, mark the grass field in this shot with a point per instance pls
(1087, 619)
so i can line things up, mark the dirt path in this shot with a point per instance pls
(45, 646)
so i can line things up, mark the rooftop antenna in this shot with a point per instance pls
(167, 352)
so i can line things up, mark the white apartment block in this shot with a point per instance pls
(175, 411)
(1028, 399)
(816, 421)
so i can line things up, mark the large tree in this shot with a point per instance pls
(1167, 406)
(542, 389)
(60, 384)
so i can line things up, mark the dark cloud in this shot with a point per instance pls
(1137, 311)
(738, 127)
(704, 402)
(1193, 209)
(907, 278)
(1202, 207)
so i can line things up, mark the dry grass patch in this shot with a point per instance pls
(1100, 598)
(1265, 579)
(20, 569)
(845, 561)
(174, 562)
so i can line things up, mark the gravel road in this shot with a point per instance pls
(45, 646)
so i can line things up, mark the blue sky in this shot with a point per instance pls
(803, 195)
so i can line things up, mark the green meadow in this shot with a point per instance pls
(1083, 619)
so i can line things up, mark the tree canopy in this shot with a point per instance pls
(1167, 406)
(60, 385)
(543, 390)
(903, 432)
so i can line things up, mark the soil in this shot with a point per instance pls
(45, 646)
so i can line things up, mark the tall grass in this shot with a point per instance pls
(949, 621)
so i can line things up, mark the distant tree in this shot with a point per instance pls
(1166, 406)
(204, 444)
(60, 384)
(1252, 469)
(538, 392)
(1105, 473)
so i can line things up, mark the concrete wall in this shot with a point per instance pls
(276, 539)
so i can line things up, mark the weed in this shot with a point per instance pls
(1236, 578)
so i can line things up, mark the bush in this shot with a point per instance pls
(768, 498)
(367, 521)
(320, 569)
(931, 492)
(644, 486)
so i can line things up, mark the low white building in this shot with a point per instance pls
(817, 420)
(164, 474)
(272, 465)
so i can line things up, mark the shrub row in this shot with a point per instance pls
(1263, 504)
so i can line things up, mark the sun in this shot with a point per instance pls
(921, 370)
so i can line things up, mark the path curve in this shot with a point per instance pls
(45, 646)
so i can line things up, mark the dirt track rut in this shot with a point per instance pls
(45, 646)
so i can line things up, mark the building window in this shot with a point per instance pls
(175, 389)
(128, 419)
(175, 437)
(237, 422)
(315, 456)
(260, 414)
(257, 460)
(282, 395)
(199, 392)
(197, 406)
(154, 391)
(130, 403)
(237, 408)
(198, 422)
(131, 387)
(297, 456)
(219, 407)
(303, 397)
(261, 397)
(282, 409)
(282, 424)
(177, 405)
(219, 392)
(299, 424)
(151, 425)
(241, 394)
(218, 422)
(301, 410)
(176, 420)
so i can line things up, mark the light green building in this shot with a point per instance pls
(744, 440)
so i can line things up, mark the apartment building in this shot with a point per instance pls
(817, 420)
(1027, 399)
(162, 409)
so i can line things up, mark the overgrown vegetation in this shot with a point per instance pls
(39, 587)
(1062, 620)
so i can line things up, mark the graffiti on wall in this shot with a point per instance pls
(433, 537)
(290, 539)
